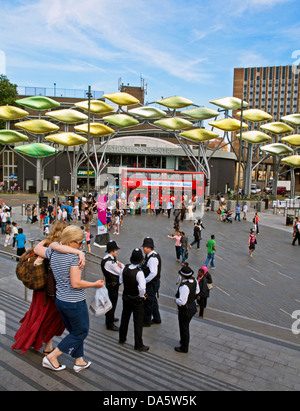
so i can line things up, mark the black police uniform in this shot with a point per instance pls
(152, 289)
(186, 313)
(133, 302)
(112, 284)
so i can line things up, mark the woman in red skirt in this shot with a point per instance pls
(42, 322)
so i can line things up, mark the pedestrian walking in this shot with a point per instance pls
(43, 214)
(116, 223)
(252, 242)
(219, 213)
(198, 227)
(111, 269)
(21, 241)
(245, 211)
(211, 249)
(28, 214)
(184, 247)
(14, 233)
(185, 300)
(296, 232)
(237, 213)
(7, 235)
(133, 279)
(176, 224)
(4, 220)
(177, 237)
(42, 321)
(256, 220)
(204, 279)
(88, 237)
(34, 214)
(169, 208)
(70, 300)
(151, 267)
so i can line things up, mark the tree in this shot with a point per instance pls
(8, 94)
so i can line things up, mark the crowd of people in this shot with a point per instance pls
(140, 276)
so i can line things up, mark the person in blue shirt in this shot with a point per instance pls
(21, 241)
(69, 212)
(238, 212)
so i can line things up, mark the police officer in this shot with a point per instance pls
(111, 269)
(134, 282)
(185, 300)
(151, 267)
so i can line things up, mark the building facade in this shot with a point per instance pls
(275, 90)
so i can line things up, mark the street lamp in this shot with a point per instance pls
(89, 95)
(56, 181)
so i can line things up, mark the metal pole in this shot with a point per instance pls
(240, 156)
(89, 138)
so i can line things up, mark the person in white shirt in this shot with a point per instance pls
(169, 208)
(64, 215)
(245, 211)
(134, 282)
(111, 269)
(152, 270)
(4, 217)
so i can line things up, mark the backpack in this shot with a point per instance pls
(32, 276)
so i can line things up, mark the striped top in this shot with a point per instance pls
(61, 265)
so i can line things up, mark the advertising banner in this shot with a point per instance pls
(102, 219)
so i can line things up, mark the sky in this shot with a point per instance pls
(187, 48)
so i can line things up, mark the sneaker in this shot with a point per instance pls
(213, 268)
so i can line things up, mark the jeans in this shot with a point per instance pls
(178, 251)
(183, 253)
(3, 227)
(238, 215)
(196, 240)
(210, 258)
(76, 319)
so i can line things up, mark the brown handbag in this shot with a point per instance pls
(33, 276)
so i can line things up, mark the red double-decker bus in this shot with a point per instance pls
(163, 186)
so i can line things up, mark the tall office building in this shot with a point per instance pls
(271, 89)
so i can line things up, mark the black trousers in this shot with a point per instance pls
(297, 237)
(151, 303)
(113, 292)
(184, 317)
(202, 304)
(135, 307)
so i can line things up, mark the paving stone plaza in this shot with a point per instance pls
(244, 342)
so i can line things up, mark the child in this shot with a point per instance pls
(14, 233)
(7, 241)
(88, 237)
(21, 241)
(46, 224)
(117, 223)
(84, 240)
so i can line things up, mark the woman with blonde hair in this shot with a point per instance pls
(42, 322)
(70, 297)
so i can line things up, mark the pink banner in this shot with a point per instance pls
(102, 217)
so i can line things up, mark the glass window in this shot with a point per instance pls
(153, 162)
(129, 161)
(114, 160)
